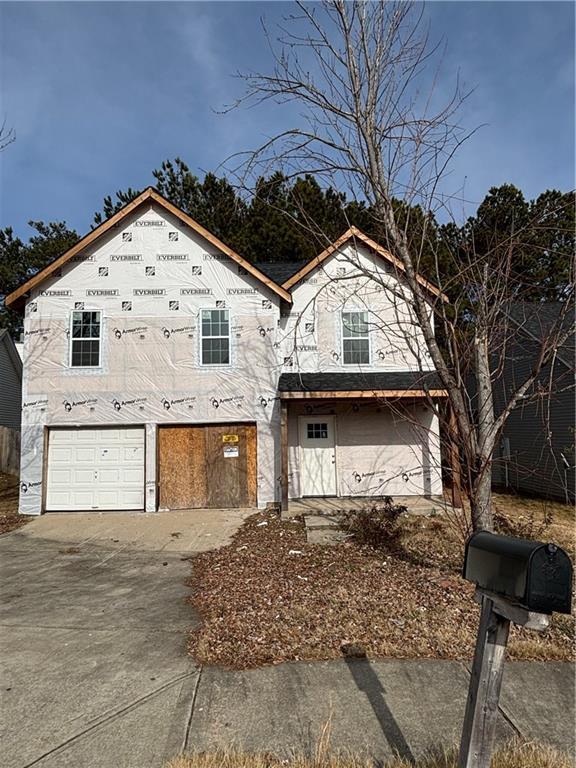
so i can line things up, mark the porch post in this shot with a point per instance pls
(455, 468)
(284, 454)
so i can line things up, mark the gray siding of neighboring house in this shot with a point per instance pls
(538, 433)
(10, 384)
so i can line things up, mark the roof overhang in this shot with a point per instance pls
(358, 385)
(17, 298)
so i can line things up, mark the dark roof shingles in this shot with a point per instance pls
(280, 271)
(358, 381)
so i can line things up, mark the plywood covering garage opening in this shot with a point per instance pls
(207, 466)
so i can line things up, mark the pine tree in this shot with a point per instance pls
(19, 261)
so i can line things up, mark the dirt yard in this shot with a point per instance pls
(9, 517)
(270, 597)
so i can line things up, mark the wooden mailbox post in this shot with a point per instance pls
(517, 581)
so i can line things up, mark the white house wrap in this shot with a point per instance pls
(150, 277)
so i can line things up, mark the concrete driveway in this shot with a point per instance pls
(192, 530)
(93, 623)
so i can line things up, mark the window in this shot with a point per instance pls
(317, 431)
(85, 341)
(215, 337)
(355, 342)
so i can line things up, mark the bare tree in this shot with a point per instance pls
(7, 135)
(370, 120)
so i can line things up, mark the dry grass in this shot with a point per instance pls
(529, 516)
(513, 755)
(436, 541)
(270, 597)
(9, 517)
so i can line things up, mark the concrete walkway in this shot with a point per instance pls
(94, 672)
(377, 707)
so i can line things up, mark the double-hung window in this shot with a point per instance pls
(85, 339)
(215, 339)
(355, 340)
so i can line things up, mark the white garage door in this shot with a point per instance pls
(95, 469)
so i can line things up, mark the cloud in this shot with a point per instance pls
(101, 93)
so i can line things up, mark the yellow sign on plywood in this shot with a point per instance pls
(230, 438)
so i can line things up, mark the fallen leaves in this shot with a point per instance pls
(271, 597)
(10, 520)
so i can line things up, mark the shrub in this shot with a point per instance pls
(523, 527)
(377, 526)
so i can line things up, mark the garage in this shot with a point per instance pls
(207, 466)
(95, 469)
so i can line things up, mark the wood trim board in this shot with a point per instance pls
(284, 454)
(362, 393)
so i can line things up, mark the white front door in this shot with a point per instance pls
(95, 469)
(317, 456)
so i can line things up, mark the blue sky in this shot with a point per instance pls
(100, 93)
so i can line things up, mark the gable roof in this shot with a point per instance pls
(17, 297)
(355, 234)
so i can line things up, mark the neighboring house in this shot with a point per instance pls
(536, 450)
(10, 404)
(10, 382)
(162, 370)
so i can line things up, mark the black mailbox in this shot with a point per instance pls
(537, 576)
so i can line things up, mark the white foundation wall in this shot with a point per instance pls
(310, 336)
(150, 278)
(380, 450)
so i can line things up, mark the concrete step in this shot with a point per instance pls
(325, 536)
(321, 522)
(323, 529)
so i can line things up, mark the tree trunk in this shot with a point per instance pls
(481, 501)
